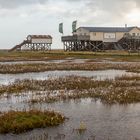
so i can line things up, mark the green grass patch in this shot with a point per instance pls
(22, 121)
(60, 54)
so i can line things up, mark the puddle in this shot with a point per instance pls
(21, 62)
(116, 122)
(116, 62)
(69, 60)
(5, 79)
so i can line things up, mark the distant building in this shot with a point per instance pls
(34, 43)
(103, 38)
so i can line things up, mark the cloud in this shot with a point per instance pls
(8, 4)
(101, 12)
(19, 18)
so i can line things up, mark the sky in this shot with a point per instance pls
(19, 18)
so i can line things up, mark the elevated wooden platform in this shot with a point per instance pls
(83, 43)
(75, 38)
(80, 43)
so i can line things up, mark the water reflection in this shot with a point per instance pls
(116, 122)
(5, 79)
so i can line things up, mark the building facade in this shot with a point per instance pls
(108, 34)
(34, 43)
(103, 38)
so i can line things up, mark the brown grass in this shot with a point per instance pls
(120, 90)
(60, 54)
(25, 68)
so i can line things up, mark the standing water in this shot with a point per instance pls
(115, 122)
(5, 79)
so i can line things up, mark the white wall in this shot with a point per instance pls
(49, 41)
(96, 36)
(136, 31)
(100, 36)
(119, 35)
(81, 31)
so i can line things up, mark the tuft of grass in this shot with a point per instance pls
(22, 121)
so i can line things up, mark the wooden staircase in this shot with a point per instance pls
(117, 46)
(129, 43)
(124, 43)
(18, 47)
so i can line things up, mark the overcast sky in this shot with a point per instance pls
(19, 18)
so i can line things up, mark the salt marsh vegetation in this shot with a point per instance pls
(125, 89)
(41, 67)
(22, 121)
(97, 102)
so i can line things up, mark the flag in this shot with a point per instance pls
(61, 28)
(74, 24)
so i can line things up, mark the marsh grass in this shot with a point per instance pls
(124, 90)
(67, 83)
(121, 90)
(129, 78)
(60, 54)
(40, 67)
(111, 96)
(70, 82)
(22, 121)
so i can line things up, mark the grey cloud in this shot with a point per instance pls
(101, 11)
(7, 4)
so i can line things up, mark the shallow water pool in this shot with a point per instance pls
(116, 122)
(6, 79)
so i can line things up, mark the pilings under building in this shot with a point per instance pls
(81, 43)
(101, 39)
